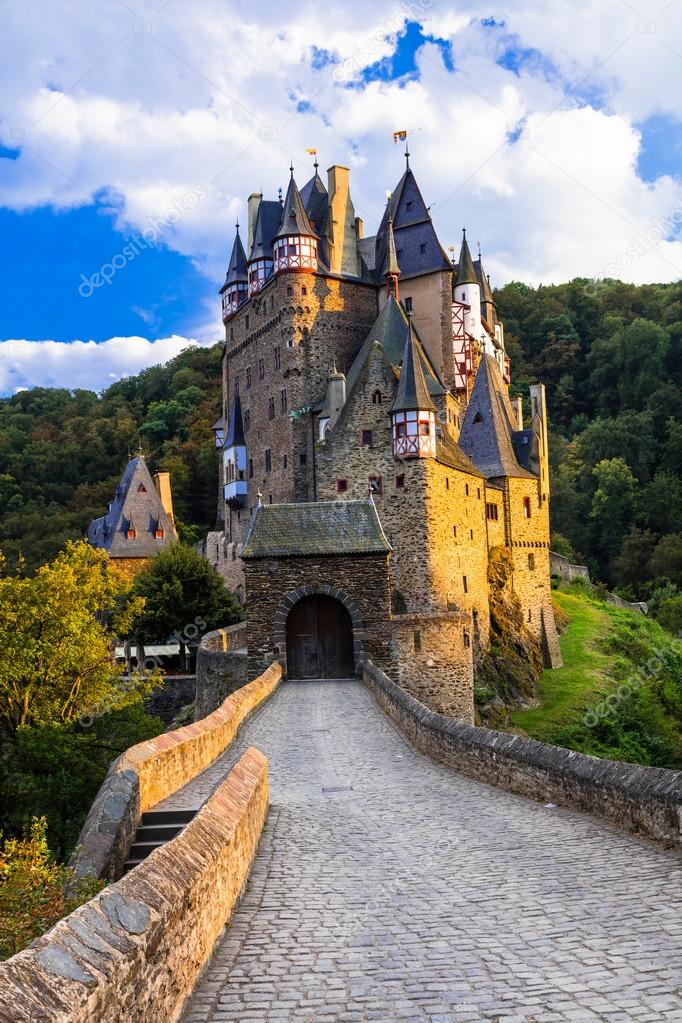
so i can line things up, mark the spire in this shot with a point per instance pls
(236, 270)
(294, 217)
(413, 394)
(235, 427)
(391, 268)
(465, 271)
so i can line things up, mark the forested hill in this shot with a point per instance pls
(610, 355)
(62, 452)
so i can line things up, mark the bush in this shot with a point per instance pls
(33, 889)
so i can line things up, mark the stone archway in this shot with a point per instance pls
(334, 614)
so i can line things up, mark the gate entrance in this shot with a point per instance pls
(319, 639)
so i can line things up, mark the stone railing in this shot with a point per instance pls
(153, 770)
(133, 953)
(646, 800)
(222, 667)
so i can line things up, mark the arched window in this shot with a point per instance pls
(377, 397)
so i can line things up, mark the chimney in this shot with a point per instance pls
(163, 489)
(343, 255)
(519, 412)
(252, 203)
(538, 418)
(359, 228)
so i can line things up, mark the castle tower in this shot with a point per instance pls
(413, 415)
(467, 289)
(235, 290)
(391, 268)
(295, 244)
(265, 216)
(234, 458)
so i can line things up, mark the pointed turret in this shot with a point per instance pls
(234, 458)
(488, 308)
(466, 274)
(413, 413)
(467, 291)
(295, 241)
(235, 290)
(391, 268)
(267, 218)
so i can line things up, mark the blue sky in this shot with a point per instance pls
(550, 144)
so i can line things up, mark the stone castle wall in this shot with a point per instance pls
(133, 953)
(221, 668)
(432, 659)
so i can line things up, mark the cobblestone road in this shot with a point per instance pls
(389, 888)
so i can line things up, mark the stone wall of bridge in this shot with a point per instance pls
(134, 952)
(643, 800)
(221, 667)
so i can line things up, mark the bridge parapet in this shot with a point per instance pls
(645, 800)
(149, 772)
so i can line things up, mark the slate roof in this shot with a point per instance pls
(314, 529)
(294, 219)
(235, 425)
(413, 394)
(267, 221)
(412, 228)
(236, 270)
(466, 274)
(488, 429)
(451, 454)
(136, 505)
(315, 198)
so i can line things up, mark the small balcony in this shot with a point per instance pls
(235, 493)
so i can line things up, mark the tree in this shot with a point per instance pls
(183, 596)
(631, 567)
(57, 662)
(612, 505)
(670, 614)
(666, 561)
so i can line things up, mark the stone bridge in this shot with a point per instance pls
(385, 886)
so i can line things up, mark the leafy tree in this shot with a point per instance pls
(631, 568)
(57, 653)
(670, 614)
(183, 596)
(666, 561)
(612, 504)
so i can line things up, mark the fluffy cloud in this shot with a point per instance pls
(80, 364)
(532, 140)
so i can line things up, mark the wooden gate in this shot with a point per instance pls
(319, 639)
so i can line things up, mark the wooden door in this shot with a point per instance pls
(319, 639)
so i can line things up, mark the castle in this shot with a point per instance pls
(372, 460)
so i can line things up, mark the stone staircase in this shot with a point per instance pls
(156, 828)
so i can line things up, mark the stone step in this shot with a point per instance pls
(167, 817)
(141, 850)
(157, 832)
(155, 829)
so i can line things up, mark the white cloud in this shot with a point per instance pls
(80, 364)
(208, 98)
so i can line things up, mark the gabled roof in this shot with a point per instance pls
(267, 221)
(466, 274)
(413, 394)
(413, 230)
(314, 529)
(236, 270)
(294, 218)
(235, 427)
(137, 506)
(315, 198)
(488, 428)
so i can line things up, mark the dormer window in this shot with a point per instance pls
(142, 489)
(132, 533)
(159, 534)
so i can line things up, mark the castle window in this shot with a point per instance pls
(285, 461)
(231, 333)
(268, 460)
(375, 485)
(236, 386)
(283, 401)
(471, 534)
(377, 398)
(247, 420)
(447, 482)
(478, 493)
(261, 369)
(466, 489)
(248, 377)
(408, 305)
(342, 486)
(531, 562)
(158, 533)
(465, 584)
(304, 290)
(290, 291)
(269, 498)
(303, 458)
(142, 489)
(467, 641)
(132, 533)
(417, 641)
(271, 408)
(247, 321)
(400, 481)
(478, 418)
(526, 508)
(278, 357)
(422, 248)
(251, 468)
(408, 205)
(492, 512)
(454, 532)
(530, 615)
(367, 438)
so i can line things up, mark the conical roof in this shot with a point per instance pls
(236, 270)
(137, 505)
(235, 425)
(466, 274)
(413, 394)
(484, 281)
(294, 217)
(487, 431)
(391, 268)
(315, 198)
(267, 221)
